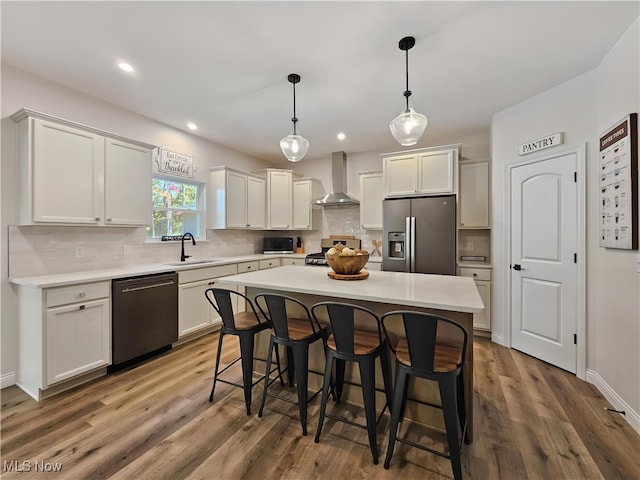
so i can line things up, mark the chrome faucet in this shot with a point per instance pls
(183, 257)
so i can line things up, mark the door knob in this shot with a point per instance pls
(517, 266)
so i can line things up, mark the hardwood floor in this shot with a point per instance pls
(154, 421)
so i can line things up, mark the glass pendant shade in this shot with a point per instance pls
(408, 127)
(294, 147)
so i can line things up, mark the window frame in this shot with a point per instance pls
(200, 205)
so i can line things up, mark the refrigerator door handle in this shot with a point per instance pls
(412, 244)
(408, 244)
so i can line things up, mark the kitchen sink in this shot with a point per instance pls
(195, 262)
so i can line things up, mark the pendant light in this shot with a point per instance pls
(408, 127)
(294, 146)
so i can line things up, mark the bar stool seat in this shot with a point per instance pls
(352, 341)
(245, 325)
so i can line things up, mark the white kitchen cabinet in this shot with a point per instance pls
(306, 215)
(64, 336)
(371, 197)
(195, 313)
(255, 202)
(127, 173)
(431, 171)
(72, 174)
(473, 202)
(279, 199)
(236, 199)
(482, 277)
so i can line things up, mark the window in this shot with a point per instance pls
(177, 208)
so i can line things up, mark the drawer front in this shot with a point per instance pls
(275, 262)
(476, 273)
(77, 293)
(198, 274)
(291, 261)
(248, 267)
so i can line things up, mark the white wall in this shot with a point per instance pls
(583, 108)
(614, 296)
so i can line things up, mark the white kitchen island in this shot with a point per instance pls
(453, 297)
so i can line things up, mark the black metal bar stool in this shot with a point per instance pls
(244, 325)
(420, 354)
(356, 336)
(296, 333)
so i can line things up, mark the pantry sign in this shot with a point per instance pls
(174, 163)
(541, 143)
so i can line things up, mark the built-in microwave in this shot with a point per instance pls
(278, 245)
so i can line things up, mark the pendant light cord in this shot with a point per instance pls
(407, 92)
(294, 119)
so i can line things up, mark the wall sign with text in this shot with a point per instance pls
(619, 185)
(174, 163)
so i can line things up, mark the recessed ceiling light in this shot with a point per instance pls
(341, 136)
(125, 66)
(192, 126)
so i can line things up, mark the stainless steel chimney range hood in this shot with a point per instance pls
(338, 195)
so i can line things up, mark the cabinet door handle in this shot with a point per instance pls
(475, 274)
(81, 294)
(108, 219)
(212, 283)
(97, 219)
(82, 307)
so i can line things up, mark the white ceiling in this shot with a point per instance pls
(224, 65)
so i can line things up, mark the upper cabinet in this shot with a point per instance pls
(236, 199)
(306, 215)
(279, 199)
(371, 197)
(71, 174)
(430, 171)
(473, 203)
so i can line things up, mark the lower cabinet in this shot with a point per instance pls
(64, 333)
(482, 277)
(195, 313)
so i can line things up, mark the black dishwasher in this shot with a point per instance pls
(144, 316)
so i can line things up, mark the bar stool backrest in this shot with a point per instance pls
(421, 332)
(344, 318)
(277, 306)
(220, 300)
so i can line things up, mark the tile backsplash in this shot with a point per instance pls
(42, 250)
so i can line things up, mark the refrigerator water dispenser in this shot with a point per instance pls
(396, 245)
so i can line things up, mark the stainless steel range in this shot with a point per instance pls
(318, 259)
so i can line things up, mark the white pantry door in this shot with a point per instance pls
(544, 273)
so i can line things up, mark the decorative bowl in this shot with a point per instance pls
(347, 264)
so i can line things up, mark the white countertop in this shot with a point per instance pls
(61, 279)
(441, 292)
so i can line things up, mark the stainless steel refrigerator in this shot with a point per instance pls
(419, 235)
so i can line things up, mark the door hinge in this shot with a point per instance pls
(575, 258)
(575, 177)
(575, 338)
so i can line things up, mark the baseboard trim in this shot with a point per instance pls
(632, 417)
(498, 338)
(7, 379)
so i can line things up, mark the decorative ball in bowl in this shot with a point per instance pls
(347, 261)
